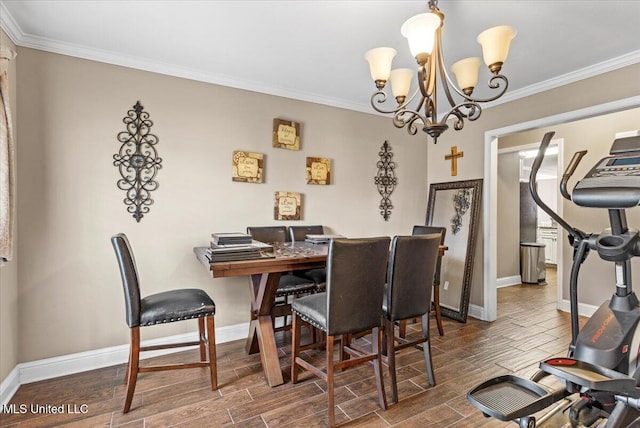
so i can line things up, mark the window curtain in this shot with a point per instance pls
(7, 159)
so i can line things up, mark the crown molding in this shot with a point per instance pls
(22, 39)
(9, 25)
(612, 64)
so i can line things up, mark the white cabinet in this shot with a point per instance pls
(549, 237)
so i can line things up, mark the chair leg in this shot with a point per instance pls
(436, 307)
(391, 358)
(133, 367)
(426, 349)
(402, 325)
(344, 342)
(376, 336)
(314, 334)
(330, 374)
(211, 345)
(202, 339)
(295, 345)
(402, 328)
(126, 372)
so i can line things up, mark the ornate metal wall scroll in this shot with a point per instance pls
(137, 161)
(386, 179)
(461, 204)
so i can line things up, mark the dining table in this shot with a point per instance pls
(265, 273)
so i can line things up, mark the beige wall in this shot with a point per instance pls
(9, 271)
(70, 112)
(615, 85)
(508, 215)
(596, 136)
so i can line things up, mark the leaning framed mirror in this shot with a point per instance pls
(456, 206)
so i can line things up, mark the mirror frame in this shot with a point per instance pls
(474, 219)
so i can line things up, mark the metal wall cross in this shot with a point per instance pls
(453, 157)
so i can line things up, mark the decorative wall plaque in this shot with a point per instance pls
(288, 206)
(318, 171)
(138, 161)
(248, 167)
(286, 134)
(386, 179)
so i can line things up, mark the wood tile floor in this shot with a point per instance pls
(528, 329)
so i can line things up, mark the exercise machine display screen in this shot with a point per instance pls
(626, 161)
(614, 182)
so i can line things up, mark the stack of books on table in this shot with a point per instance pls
(321, 239)
(227, 247)
(231, 238)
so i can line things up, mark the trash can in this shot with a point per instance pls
(532, 265)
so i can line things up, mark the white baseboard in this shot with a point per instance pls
(583, 309)
(508, 280)
(9, 385)
(48, 368)
(476, 312)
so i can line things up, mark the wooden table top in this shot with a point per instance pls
(288, 256)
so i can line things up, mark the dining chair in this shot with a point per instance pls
(352, 303)
(160, 308)
(290, 284)
(426, 230)
(299, 234)
(411, 266)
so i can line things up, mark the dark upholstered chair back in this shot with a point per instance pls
(412, 263)
(269, 233)
(356, 272)
(426, 230)
(299, 233)
(129, 275)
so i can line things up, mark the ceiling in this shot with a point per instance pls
(313, 50)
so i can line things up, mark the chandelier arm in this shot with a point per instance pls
(423, 75)
(493, 83)
(411, 126)
(444, 76)
(380, 97)
(475, 110)
(399, 120)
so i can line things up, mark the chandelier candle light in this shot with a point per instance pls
(423, 33)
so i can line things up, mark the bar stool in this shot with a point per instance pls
(161, 308)
(412, 263)
(352, 303)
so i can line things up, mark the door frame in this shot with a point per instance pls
(490, 194)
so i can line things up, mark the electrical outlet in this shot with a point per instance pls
(446, 285)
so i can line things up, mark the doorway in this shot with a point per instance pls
(521, 220)
(488, 312)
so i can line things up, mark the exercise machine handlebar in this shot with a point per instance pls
(571, 168)
(573, 232)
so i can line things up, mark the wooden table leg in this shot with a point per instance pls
(261, 335)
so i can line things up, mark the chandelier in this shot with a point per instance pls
(423, 33)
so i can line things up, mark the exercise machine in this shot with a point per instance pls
(600, 376)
